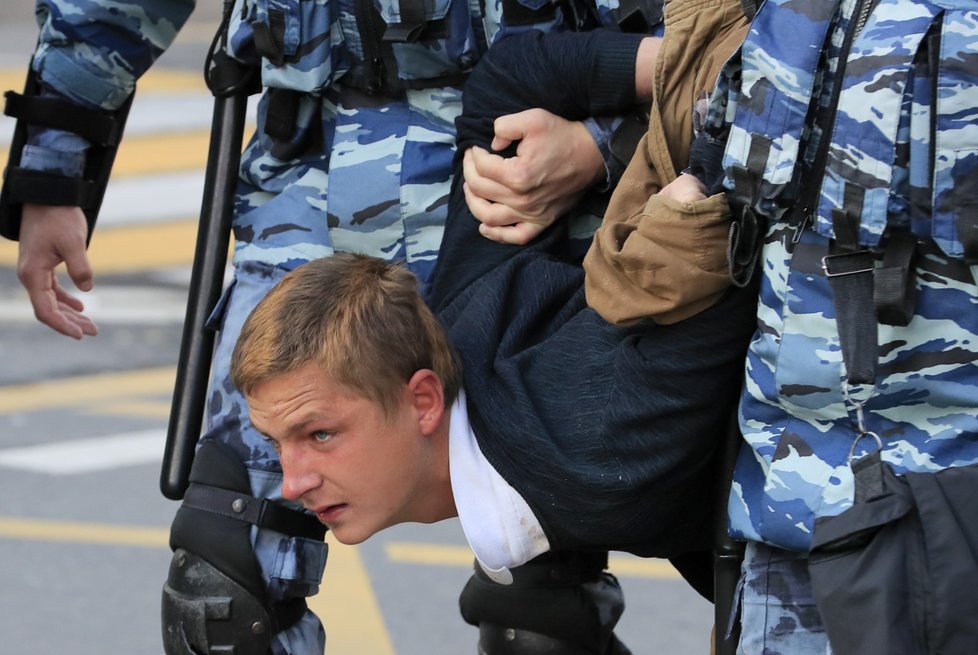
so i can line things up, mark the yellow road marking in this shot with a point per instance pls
(346, 602)
(429, 554)
(144, 154)
(131, 248)
(84, 390)
(442, 555)
(143, 409)
(140, 247)
(348, 607)
(102, 534)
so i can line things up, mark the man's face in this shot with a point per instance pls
(358, 470)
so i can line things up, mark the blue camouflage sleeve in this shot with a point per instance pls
(93, 51)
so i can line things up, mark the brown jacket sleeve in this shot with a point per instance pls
(652, 256)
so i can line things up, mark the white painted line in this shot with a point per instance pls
(87, 455)
(172, 111)
(152, 198)
(119, 305)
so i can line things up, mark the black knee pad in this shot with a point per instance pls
(215, 596)
(557, 603)
(205, 611)
(222, 540)
(496, 640)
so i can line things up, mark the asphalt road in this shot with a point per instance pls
(83, 526)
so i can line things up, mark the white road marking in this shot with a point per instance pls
(152, 198)
(87, 455)
(120, 305)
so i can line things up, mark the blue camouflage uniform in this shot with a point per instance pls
(886, 104)
(364, 165)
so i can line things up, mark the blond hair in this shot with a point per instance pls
(362, 319)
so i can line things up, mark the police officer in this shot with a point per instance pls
(854, 193)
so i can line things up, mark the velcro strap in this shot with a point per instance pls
(894, 283)
(44, 188)
(280, 118)
(270, 37)
(97, 127)
(403, 32)
(261, 512)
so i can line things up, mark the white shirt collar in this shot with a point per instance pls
(498, 524)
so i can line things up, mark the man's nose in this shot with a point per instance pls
(298, 478)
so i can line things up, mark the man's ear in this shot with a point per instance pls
(428, 399)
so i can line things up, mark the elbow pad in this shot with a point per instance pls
(102, 129)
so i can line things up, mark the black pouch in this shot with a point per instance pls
(897, 573)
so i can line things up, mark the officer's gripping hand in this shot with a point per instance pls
(517, 197)
(50, 235)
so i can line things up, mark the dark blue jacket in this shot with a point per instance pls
(608, 432)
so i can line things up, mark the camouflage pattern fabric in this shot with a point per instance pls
(777, 605)
(93, 51)
(372, 176)
(798, 415)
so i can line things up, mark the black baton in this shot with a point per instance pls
(231, 83)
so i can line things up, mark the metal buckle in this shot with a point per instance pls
(853, 259)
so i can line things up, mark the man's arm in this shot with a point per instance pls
(90, 53)
(556, 158)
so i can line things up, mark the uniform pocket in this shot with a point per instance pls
(430, 39)
(300, 46)
(955, 141)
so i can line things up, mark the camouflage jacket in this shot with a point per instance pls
(876, 122)
(389, 152)
(95, 50)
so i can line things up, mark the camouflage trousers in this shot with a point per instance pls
(382, 191)
(777, 606)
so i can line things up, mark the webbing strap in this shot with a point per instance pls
(270, 37)
(96, 127)
(280, 117)
(746, 235)
(894, 288)
(24, 185)
(414, 12)
(261, 512)
(849, 269)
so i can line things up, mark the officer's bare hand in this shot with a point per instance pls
(518, 197)
(685, 188)
(50, 235)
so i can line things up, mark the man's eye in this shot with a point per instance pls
(271, 442)
(322, 436)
